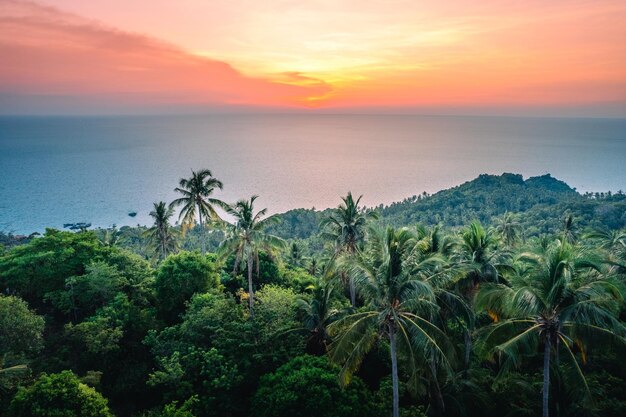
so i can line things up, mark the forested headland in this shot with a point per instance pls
(498, 297)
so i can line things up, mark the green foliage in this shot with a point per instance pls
(246, 237)
(202, 354)
(42, 266)
(173, 410)
(382, 400)
(20, 328)
(181, 276)
(276, 315)
(471, 302)
(21, 338)
(307, 386)
(59, 395)
(542, 201)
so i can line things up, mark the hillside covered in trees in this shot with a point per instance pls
(544, 201)
(499, 297)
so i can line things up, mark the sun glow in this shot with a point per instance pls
(318, 54)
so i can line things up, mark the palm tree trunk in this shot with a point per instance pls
(468, 348)
(441, 406)
(202, 237)
(250, 289)
(352, 293)
(163, 250)
(546, 376)
(394, 371)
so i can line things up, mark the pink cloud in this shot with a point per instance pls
(51, 55)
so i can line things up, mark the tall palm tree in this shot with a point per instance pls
(162, 234)
(345, 226)
(570, 234)
(246, 236)
(559, 300)
(197, 200)
(399, 306)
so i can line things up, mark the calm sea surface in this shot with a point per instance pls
(86, 169)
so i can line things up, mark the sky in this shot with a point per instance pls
(422, 56)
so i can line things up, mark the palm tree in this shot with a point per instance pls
(345, 226)
(197, 200)
(478, 254)
(508, 227)
(614, 245)
(399, 305)
(162, 234)
(318, 314)
(246, 236)
(433, 242)
(110, 237)
(570, 234)
(558, 298)
(295, 254)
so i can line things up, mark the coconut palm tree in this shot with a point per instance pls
(477, 253)
(295, 254)
(399, 305)
(613, 242)
(197, 200)
(345, 227)
(570, 232)
(509, 229)
(318, 313)
(246, 237)
(559, 299)
(431, 241)
(162, 234)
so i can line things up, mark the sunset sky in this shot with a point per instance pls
(435, 56)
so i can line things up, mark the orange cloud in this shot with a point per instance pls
(335, 55)
(59, 57)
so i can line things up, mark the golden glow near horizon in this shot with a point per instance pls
(348, 54)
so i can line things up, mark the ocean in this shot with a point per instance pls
(56, 170)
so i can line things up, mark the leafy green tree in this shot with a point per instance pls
(399, 307)
(276, 314)
(205, 354)
(246, 236)
(345, 226)
(307, 386)
(197, 200)
(197, 371)
(20, 328)
(560, 300)
(43, 265)
(85, 293)
(181, 276)
(162, 235)
(21, 332)
(173, 410)
(59, 395)
(383, 401)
